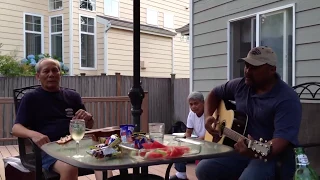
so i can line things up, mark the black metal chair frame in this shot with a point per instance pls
(33, 161)
(306, 89)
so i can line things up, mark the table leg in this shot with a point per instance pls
(168, 171)
(144, 170)
(123, 172)
(104, 175)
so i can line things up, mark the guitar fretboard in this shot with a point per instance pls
(233, 134)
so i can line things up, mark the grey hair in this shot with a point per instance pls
(38, 65)
(196, 96)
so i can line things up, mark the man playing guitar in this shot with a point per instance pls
(274, 114)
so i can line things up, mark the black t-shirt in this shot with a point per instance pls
(49, 112)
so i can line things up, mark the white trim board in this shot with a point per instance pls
(95, 43)
(71, 38)
(191, 46)
(257, 15)
(62, 34)
(25, 31)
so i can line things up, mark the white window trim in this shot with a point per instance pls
(150, 9)
(50, 33)
(104, 1)
(87, 10)
(164, 20)
(258, 35)
(52, 10)
(95, 42)
(25, 31)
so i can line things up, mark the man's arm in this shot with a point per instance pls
(287, 124)
(85, 115)
(23, 120)
(189, 132)
(190, 125)
(226, 92)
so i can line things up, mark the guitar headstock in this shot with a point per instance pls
(262, 149)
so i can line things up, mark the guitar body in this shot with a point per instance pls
(229, 118)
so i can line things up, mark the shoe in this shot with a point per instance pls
(174, 177)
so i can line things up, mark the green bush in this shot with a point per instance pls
(10, 66)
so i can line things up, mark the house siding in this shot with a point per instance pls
(159, 64)
(210, 20)
(155, 52)
(11, 29)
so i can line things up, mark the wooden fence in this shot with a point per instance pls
(107, 111)
(167, 96)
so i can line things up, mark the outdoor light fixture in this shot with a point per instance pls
(136, 93)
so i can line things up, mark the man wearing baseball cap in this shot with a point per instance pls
(274, 114)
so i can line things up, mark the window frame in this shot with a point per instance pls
(53, 33)
(94, 43)
(164, 20)
(34, 32)
(157, 17)
(94, 9)
(49, 7)
(257, 18)
(110, 14)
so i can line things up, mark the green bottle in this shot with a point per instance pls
(303, 170)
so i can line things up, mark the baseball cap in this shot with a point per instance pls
(261, 55)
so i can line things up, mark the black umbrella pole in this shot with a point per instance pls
(136, 93)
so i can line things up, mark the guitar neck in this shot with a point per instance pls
(233, 134)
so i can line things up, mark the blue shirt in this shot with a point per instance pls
(275, 114)
(49, 112)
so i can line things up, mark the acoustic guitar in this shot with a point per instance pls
(231, 125)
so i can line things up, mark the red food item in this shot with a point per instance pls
(153, 145)
(154, 155)
(185, 149)
(176, 152)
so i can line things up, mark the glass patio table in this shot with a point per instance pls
(65, 153)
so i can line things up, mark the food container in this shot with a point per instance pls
(168, 152)
(126, 131)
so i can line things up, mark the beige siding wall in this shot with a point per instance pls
(11, 20)
(155, 53)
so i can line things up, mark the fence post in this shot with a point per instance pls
(118, 79)
(173, 77)
(145, 113)
(118, 93)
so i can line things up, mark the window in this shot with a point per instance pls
(87, 41)
(275, 30)
(55, 4)
(168, 21)
(152, 17)
(88, 5)
(56, 40)
(111, 8)
(33, 32)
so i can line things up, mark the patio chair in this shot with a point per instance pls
(33, 160)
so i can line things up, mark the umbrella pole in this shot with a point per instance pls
(136, 93)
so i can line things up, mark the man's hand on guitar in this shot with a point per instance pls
(242, 148)
(208, 125)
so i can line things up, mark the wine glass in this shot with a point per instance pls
(77, 129)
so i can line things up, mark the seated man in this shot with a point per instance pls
(47, 111)
(274, 114)
(195, 124)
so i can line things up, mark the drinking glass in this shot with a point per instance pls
(77, 129)
(156, 131)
